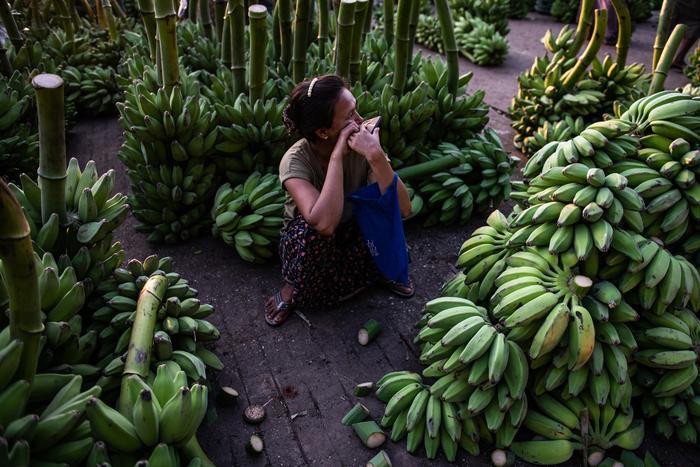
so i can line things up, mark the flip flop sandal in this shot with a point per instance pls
(283, 311)
(402, 290)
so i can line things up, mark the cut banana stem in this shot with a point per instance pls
(357, 414)
(166, 21)
(361, 9)
(257, 18)
(254, 414)
(236, 45)
(343, 40)
(580, 285)
(380, 460)
(370, 433)
(255, 445)
(501, 458)
(364, 389)
(368, 332)
(227, 396)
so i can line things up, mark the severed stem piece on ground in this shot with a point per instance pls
(254, 414)
(368, 332)
(255, 445)
(364, 389)
(357, 414)
(370, 433)
(380, 460)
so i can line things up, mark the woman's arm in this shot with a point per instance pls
(323, 211)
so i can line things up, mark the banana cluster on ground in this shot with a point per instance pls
(94, 90)
(250, 216)
(479, 41)
(19, 144)
(492, 12)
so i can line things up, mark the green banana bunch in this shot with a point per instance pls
(417, 202)
(75, 52)
(562, 130)
(168, 139)
(428, 33)
(457, 117)
(250, 216)
(667, 113)
(564, 11)
(456, 287)
(94, 211)
(181, 324)
(93, 89)
(203, 53)
(479, 41)
(625, 85)
(690, 89)
(19, 145)
(493, 12)
(692, 71)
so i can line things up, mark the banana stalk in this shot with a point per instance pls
(66, 19)
(402, 46)
(149, 23)
(276, 38)
(301, 18)
(236, 20)
(192, 10)
(357, 35)
(226, 40)
(575, 74)
(111, 24)
(666, 58)
(219, 12)
(166, 19)
(205, 17)
(624, 34)
(389, 21)
(257, 15)
(323, 26)
(412, 27)
(21, 281)
(582, 27)
(426, 169)
(88, 9)
(662, 30)
(343, 38)
(100, 17)
(286, 38)
(52, 145)
(10, 25)
(138, 356)
(449, 43)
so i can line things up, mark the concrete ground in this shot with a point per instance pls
(305, 373)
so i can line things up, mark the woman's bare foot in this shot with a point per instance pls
(279, 306)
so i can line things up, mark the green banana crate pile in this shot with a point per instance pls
(249, 217)
(574, 319)
(561, 87)
(692, 71)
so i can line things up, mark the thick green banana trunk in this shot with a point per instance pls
(343, 38)
(449, 43)
(139, 353)
(286, 37)
(413, 25)
(21, 281)
(666, 58)
(236, 26)
(575, 74)
(357, 35)
(219, 13)
(166, 20)
(64, 15)
(205, 17)
(276, 38)
(301, 19)
(402, 46)
(662, 30)
(148, 17)
(52, 146)
(10, 25)
(111, 23)
(322, 27)
(624, 31)
(582, 27)
(389, 21)
(257, 16)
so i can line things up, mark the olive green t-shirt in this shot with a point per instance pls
(300, 162)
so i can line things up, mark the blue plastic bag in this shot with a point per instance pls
(379, 218)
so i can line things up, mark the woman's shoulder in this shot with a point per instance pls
(298, 156)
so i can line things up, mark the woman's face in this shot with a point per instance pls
(343, 113)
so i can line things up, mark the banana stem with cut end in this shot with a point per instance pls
(450, 44)
(664, 65)
(111, 23)
(205, 17)
(301, 18)
(10, 25)
(357, 414)
(286, 36)
(428, 168)
(389, 21)
(357, 34)
(575, 74)
(52, 145)
(148, 17)
(624, 34)
(257, 16)
(662, 30)
(21, 281)
(582, 27)
(166, 19)
(402, 46)
(343, 38)
(219, 12)
(139, 354)
(236, 20)
(322, 27)
(580, 285)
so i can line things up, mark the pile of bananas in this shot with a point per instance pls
(169, 137)
(429, 33)
(518, 9)
(203, 53)
(93, 212)
(94, 91)
(479, 41)
(692, 71)
(250, 216)
(457, 117)
(640, 9)
(493, 12)
(623, 84)
(564, 11)
(562, 130)
(19, 145)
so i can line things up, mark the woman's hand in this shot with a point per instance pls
(365, 143)
(341, 145)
